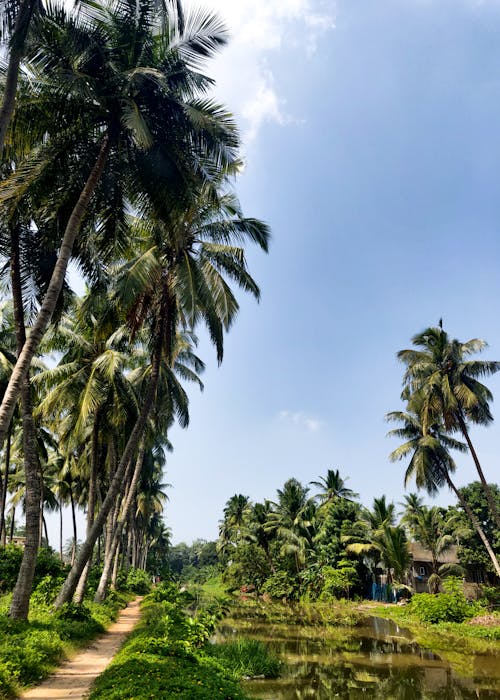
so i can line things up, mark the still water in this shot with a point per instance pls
(377, 659)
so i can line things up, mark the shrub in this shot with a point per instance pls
(47, 564)
(75, 612)
(337, 583)
(46, 591)
(138, 581)
(10, 561)
(491, 595)
(450, 606)
(280, 585)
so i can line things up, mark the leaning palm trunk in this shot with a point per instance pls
(91, 503)
(73, 518)
(487, 491)
(115, 486)
(5, 487)
(116, 566)
(17, 45)
(475, 522)
(21, 369)
(117, 532)
(21, 596)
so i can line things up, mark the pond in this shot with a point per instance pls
(376, 659)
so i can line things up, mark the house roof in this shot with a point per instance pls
(420, 554)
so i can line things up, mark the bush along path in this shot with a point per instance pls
(169, 655)
(73, 679)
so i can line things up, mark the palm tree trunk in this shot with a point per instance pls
(20, 599)
(46, 532)
(91, 503)
(40, 529)
(474, 521)
(5, 488)
(115, 486)
(17, 44)
(21, 369)
(116, 566)
(484, 483)
(61, 530)
(21, 596)
(117, 532)
(12, 525)
(73, 517)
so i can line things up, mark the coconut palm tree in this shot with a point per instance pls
(236, 513)
(380, 542)
(431, 462)
(14, 28)
(293, 521)
(333, 487)
(127, 111)
(428, 528)
(449, 387)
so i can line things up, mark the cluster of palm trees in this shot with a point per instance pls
(298, 536)
(303, 545)
(114, 157)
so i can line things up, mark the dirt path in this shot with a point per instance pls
(73, 679)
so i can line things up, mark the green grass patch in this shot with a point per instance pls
(29, 651)
(337, 613)
(247, 658)
(148, 675)
(169, 656)
(443, 637)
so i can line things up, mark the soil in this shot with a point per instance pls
(485, 620)
(73, 679)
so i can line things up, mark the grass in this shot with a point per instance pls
(337, 613)
(169, 656)
(444, 637)
(247, 658)
(29, 651)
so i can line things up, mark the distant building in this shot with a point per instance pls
(421, 568)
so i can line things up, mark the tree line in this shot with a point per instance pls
(329, 543)
(116, 158)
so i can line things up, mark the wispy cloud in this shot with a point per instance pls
(259, 29)
(310, 423)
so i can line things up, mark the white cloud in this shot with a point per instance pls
(259, 29)
(302, 420)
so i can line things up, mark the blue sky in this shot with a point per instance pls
(372, 142)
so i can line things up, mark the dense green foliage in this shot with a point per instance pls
(449, 606)
(30, 650)
(47, 565)
(246, 657)
(170, 648)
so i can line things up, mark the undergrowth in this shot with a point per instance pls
(169, 655)
(30, 650)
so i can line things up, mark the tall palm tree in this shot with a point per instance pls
(380, 541)
(236, 513)
(293, 521)
(449, 387)
(333, 486)
(431, 462)
(118, 83)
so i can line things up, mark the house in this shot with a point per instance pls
(421, 568)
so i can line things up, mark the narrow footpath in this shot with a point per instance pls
(73, 679)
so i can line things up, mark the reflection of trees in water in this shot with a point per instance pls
(353, 665)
